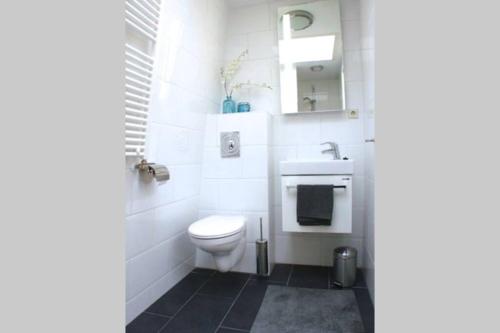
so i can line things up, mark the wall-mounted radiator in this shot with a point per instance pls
(142, 19)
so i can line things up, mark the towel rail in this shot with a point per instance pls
(334, 186)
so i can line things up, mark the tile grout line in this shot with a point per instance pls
(156, 314)
(234, 329)
(329, 273)
(232, 304)
(183, 305)
(289, 276)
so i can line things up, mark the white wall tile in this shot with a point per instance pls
(172, 105)
(296, 130)
(339, 129)
(143, 300)
(152, 265)
(257, 71)
(217, 167)
(178, 145)
(303, 249)
(185, 71)
(249, 19)
(254, 161)
(282, 153)
(255, 129)
(211, 138)
(170, 220)
(351, 35)
(252, 127)
(355, 95)
(350, 9)
(209, 196)
(129, 181)
(234, 46)
(140, 232)
(186, 180)
(243, 195)
(353, 66)
(149, 194)
(358, 192)
(262, 45)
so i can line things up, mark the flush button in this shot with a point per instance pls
(230, 144)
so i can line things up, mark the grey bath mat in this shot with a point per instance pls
(303, 310)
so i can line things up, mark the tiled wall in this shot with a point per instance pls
(368, 59)
(237, 185)
(299, 136)
(186, 89)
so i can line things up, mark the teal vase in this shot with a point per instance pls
(244, 107)
(228, 106)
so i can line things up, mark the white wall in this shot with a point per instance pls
(186, 88)
(299, 136)
(237, 185)
(368, 59)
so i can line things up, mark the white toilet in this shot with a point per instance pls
(223, 236)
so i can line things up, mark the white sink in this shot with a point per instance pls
(317, 167)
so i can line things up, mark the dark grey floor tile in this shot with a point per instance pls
(201, 314)
(359, 283)
(244, 311)
(233, 275)
(365, 308)
(229, 330)
(267, 280)
(280, 273)
(224, 285)
(204, 271)
(172, 301)
(309, 277)
(146, 323)
(191, 283)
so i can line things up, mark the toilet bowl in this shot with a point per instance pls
(224, 237)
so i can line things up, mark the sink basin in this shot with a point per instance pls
(317, 167)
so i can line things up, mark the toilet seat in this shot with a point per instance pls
(217, 226)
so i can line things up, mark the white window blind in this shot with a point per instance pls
(142, 19)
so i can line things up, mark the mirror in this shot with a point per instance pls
(310, 56)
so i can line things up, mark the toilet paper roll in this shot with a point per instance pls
(159, 172)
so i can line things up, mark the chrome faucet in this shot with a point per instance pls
(312, 103)
(334, 149)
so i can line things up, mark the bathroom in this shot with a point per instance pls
(218, 166)
(249, 100)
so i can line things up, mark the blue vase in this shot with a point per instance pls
(228, 106)
(243, 107)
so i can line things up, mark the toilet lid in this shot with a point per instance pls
(217, 226)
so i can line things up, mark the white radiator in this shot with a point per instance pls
(142, 19)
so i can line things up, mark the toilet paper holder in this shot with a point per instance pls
(158, 171)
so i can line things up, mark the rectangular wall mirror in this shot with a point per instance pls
(310, 56)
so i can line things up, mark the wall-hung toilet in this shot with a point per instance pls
(224, 237)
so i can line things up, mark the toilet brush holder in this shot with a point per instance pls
(261, 251)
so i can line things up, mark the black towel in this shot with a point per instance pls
(314, 204)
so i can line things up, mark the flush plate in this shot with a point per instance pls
(230, 144)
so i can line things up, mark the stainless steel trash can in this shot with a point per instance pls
(344, 266)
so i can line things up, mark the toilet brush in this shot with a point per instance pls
(261, 249)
